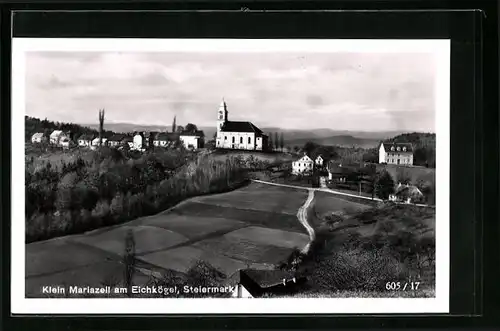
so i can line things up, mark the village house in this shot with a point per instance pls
(395, 153)
(238, 135)
(139, 141)
(336, 172)
(65, 142)
(192, 140)
(128, 140)
(161, 140)
(95, 142)
(319, 161)
(38, 138)
(257, 283)
(407, 193)
(303, 165)
(115, 140)
(85, 140)
(56, 136)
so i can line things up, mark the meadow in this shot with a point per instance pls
(357, 252)
(177, 242)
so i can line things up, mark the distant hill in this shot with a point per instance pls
(341, 140)
(320, 136)
(128, 127)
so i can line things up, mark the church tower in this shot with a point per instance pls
(221, 115)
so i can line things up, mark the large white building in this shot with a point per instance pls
(303, 165)
(238, 135)
(395, 153)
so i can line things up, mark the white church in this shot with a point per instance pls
(238, 135)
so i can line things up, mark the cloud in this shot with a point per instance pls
(338, 90)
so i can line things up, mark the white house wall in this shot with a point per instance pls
(242, 140)
(258, 144)
(381, 154)
(190, 140)
(137, 142)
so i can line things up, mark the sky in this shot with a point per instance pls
(340, 91)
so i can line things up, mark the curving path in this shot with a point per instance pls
(302, 217)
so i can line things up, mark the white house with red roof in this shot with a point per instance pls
(395, 153)
(238, 135)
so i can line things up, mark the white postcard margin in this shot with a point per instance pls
(439, 304)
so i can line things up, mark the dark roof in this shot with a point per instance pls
(86, 137)
(128, 139)
(409, 147)
(162, 136)
(117, 137)
(168, 136)
(267, 278)
(193, 133)
(408, 191)
(232, 126)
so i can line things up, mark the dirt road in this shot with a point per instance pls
(302, 217)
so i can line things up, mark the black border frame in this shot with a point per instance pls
(474, 120)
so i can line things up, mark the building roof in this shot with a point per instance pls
(56, 133)
(117, 137)
(166, 136)
(407, 191)
(37, 135)
(128, 139)
(86, 137)
(304, 158)
(197, 133)
(268, 278)
(162, 136)
(235, 126)
(401, 146)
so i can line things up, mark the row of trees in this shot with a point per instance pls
(112, 188)
(33, 125)
(276, 141)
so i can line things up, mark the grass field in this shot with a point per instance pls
(275, 199)
(414, 173)
(325, 203)
(359, 251)
(272, 158)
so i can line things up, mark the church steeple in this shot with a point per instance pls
(222, 114)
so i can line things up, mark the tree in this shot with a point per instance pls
(129, 261)
(384, 185)
(190, 127)
(310, 147)
(180, 129)
(270, 141)
(276, 140)
(174, 124)
(403, 176)
(101, 125)
(282, 141)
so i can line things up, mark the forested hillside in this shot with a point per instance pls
(424, 145)
(33, 125)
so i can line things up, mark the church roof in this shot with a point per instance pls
(232, 126)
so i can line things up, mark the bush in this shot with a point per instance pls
(384, 185)
(101, 212)
(114, 187)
